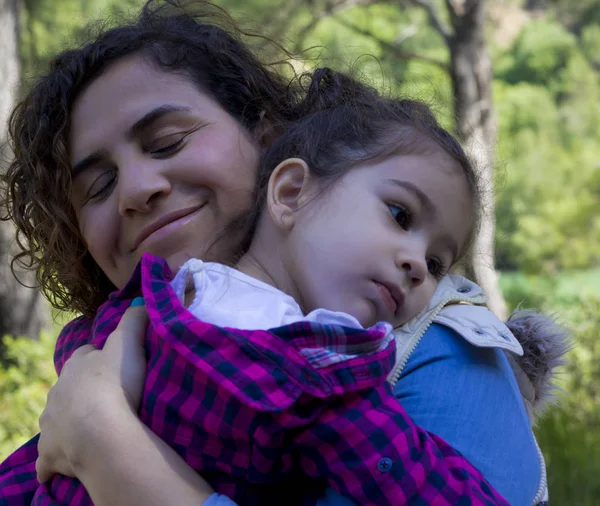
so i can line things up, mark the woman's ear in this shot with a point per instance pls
(287, 191)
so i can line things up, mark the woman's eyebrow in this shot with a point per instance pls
(150, 117)
(87, 162)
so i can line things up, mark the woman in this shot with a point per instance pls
(120, 107)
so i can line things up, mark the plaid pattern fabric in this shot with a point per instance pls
(249, 412)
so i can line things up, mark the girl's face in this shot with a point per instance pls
(376, 243)
(158, 167)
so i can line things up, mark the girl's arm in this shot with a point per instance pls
(469, 397)
(369, 450)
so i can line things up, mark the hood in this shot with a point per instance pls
(545, 343)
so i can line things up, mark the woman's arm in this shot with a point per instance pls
(90, 428)
(469, 397)
(415, 464)
(134, 466)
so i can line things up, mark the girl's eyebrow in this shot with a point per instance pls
(134, 131)
(422, 197)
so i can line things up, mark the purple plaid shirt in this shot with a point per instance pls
(258, 419)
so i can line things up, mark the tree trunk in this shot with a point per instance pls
(471, 74)
(22, 310)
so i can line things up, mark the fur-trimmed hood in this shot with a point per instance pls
(535, 344)
(545, 343)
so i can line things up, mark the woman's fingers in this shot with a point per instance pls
(82, 350)
(130, 332)
(41, 468)
(124, 351)
(48, 463)
(92, 381)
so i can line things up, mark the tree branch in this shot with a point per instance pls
(434, 17)
(393, 48)
(330, 8)
(452, 11)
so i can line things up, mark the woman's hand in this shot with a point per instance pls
(92, 383)
(90, 428)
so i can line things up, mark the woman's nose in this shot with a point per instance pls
(141, 184)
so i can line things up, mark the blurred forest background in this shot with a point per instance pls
(533, 118)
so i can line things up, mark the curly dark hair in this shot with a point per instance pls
(195, 38)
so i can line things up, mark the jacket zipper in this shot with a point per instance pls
(399, 367)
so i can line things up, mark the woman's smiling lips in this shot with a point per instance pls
(166, 224)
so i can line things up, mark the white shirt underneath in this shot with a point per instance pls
(227, 297)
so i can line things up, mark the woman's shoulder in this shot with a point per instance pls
(458, 303)
(479, 327)
(536, 344)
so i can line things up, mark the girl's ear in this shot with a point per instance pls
(288, 191)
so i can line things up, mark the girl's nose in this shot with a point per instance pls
(414, 263)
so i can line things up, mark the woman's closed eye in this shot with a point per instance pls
(401, 215)
(102, 185)
(166, 146)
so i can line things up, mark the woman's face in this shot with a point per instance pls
(158, 166)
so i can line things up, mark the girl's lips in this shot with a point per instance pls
(388, 299)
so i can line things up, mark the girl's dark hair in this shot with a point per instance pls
(193, 38)
(344, 123)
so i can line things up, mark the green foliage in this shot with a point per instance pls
(26, 375)
(574, 15)
(569, 433)
(47, 28)
(539, 52)
(583, 369)
(590, 42)
(572, 453)
(548, 129)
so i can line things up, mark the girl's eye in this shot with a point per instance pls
(401, 214)
(166, 148)
(436, 268)
(102, 186)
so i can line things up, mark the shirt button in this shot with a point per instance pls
(384, 465)
(194, 265)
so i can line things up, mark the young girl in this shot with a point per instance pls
(115, 263)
